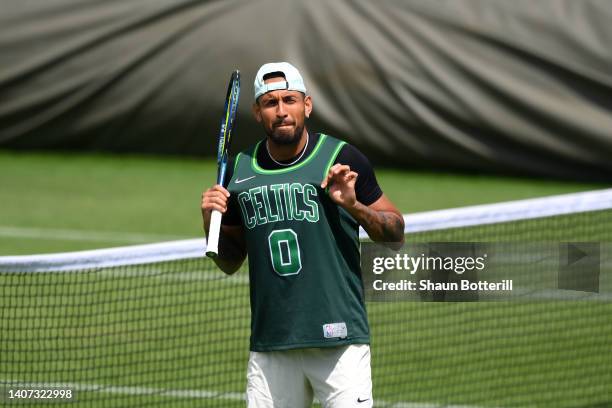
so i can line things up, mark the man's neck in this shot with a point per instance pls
(280, 152)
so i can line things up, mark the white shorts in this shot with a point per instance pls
(339, 377)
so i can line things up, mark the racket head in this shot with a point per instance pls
(228, 120)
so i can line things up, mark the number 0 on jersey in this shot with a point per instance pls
(285, 252)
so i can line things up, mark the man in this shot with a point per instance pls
(294, 203)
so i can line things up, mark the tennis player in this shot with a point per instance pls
(294, 204)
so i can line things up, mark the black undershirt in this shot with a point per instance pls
(367, 190)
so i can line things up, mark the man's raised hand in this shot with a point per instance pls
(341, 181)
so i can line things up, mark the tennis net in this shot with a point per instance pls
(160, 325)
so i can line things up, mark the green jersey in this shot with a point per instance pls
(303, 251)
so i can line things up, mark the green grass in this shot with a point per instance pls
(121, 200)
(549, 354)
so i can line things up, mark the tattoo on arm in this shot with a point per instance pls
(392, 226)
(381, 226)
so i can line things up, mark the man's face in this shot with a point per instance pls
(282, 113)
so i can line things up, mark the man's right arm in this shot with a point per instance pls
(232, 244)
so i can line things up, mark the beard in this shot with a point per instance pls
(285, 138)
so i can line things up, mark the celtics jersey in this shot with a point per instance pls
(303, 253)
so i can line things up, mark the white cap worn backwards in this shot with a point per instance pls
(293, 80)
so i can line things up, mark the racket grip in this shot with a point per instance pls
(212, 245)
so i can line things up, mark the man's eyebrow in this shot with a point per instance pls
(271, 97)
(266, 98)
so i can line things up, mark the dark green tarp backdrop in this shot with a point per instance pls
(516, 86)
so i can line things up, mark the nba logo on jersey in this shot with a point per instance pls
(333, 330)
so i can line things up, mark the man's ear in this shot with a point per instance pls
(257, 112)
(307, 105)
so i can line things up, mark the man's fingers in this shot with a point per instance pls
(214, 206)
(325, 180)
(215, 198)
(336, 172)
(339, 170)
(335, 166)
(216, 188)
(329, 176)
(220, 188)
(351, 176)
(221, 209)
(211, 206)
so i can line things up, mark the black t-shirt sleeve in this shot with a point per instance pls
(232, 215)
(367, 189)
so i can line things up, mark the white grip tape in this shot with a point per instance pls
(212, 246)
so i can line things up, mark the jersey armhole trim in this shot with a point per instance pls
(236, 161)
(332, 159)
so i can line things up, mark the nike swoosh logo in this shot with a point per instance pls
(364, 400)
(238, 181)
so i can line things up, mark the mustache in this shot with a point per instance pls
(282, 123)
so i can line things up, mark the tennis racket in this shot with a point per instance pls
(225, 138)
